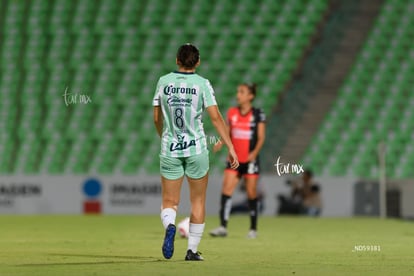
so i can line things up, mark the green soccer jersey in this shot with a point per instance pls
(183, 98)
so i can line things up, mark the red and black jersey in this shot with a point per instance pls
(243, 130)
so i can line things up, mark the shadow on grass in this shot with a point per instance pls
(102, 256)
(127, 260)
(74, 263)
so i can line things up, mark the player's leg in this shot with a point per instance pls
(251, 189)
(251, 179)
(171, 190)
(198, 189)
(172, 173)
(230, 181)
(196, 170)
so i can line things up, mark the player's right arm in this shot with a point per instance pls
(158, 121)
(157, 112)
(223, 131)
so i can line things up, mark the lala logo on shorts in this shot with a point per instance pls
(181, 145)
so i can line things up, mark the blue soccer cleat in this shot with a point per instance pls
(168, 246)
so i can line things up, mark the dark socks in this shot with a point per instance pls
(253, 213)
(225, 207)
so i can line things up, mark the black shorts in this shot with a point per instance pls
(248, 169)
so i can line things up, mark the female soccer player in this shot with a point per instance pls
(179, 101)
(247, 131)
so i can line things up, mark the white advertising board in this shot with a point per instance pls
(141, 194)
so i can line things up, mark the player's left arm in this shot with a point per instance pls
(261, 134)
(158, 121)
(219, 144)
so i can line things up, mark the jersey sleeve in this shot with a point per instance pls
(228, 117)
(208, 98)
(156, 101)
(261, 116)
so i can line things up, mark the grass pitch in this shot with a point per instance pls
(131, 245)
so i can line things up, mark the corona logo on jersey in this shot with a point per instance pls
(92, 188)
(170, 89)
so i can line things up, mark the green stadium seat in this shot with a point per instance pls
(83, 16)
(380, 72)
(106, 16)
(59, 48)
(83, 48)
(115, 51)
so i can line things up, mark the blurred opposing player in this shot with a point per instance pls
(247, 131)
(179, 101)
